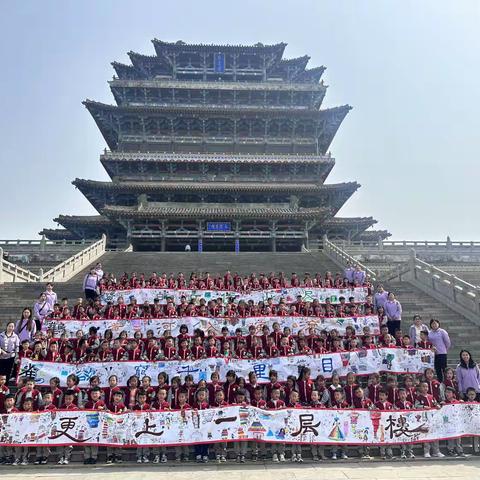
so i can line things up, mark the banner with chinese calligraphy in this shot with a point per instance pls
(288, 294)
(361, 362)
(213, 325)
(169, 428)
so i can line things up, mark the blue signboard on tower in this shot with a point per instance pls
(219, 62)
(219, 227)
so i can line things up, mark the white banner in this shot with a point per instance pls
(361, 362)
(213, 325)
(307, 426)
(288, 294)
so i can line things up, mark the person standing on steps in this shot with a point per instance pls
(440, 341)
(393, 310)
(9, 347)
(415, 329)
(90, 285)
(51, 295)
(348, 273)
(26, 327)
(380, 297)
(468, 374)
(41, 309)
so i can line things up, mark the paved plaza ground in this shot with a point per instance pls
(468, 469)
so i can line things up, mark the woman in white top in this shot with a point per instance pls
(41, 309)
(51, 295)
(9, 346)
(99, 271)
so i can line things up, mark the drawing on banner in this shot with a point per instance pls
(213, 326)
(360, 362)
(289, 295)
(154, 428)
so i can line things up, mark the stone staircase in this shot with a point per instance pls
(15, 296)
(34, 256)
(463, 333)
(468, 271)
(216, 262)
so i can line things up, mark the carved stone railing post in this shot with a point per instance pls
(413, 260)
(43, 243)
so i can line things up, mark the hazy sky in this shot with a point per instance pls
(410, 69)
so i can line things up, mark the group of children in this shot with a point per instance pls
(94, 310)
(174, 394)
(300, 391)
(188, 345)
(352, 276)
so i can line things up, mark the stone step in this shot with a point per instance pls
(216, 262)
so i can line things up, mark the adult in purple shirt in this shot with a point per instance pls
(348, 273)
(468, 374)
(440, 341)
(380, 297)
(393, 310)
(358, 276)
(41, 309)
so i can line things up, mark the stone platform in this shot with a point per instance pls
(465, 469)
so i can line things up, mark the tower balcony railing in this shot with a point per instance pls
(150, 234)
(224, 105)
(221, 139)
(198, 157)
(168, 82)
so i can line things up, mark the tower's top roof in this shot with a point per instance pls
(181, 46)
(257, 62)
